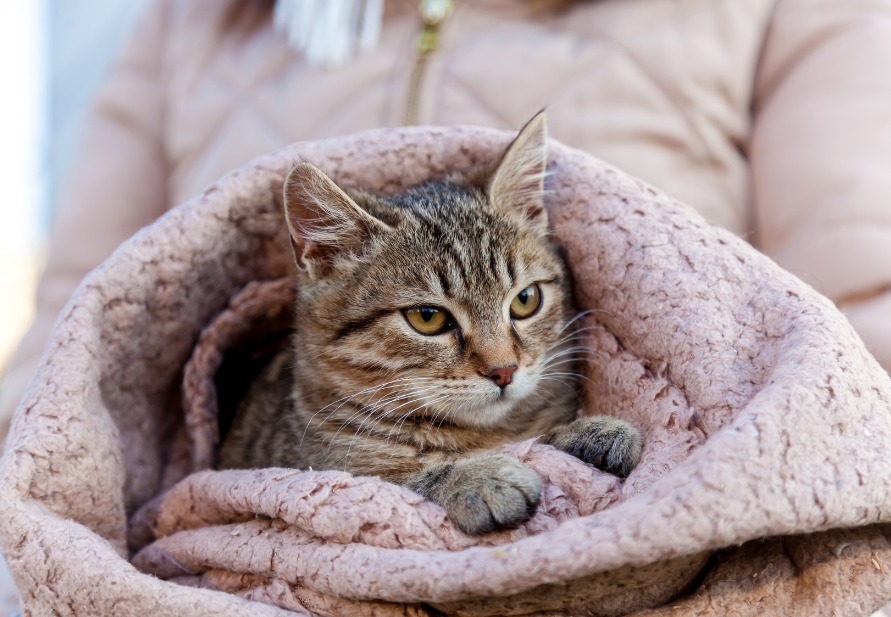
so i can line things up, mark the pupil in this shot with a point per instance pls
(426, 314)
(523, 296)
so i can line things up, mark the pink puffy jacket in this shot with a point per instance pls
(770, 117)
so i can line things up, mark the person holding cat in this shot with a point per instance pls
(770, 117)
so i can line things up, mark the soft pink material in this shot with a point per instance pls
(763, 416)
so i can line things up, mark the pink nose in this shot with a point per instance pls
(501, 376)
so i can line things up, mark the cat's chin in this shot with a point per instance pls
(483, 416)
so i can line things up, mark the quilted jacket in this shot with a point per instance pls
(771, 117)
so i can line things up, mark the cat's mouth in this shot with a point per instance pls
(521, 386)
(491, 405)
(469, 403)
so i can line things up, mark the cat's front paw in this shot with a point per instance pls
(607, 443)
(482, 494)
(491, 492)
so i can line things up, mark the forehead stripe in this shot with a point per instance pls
(443, 282)
(493, 262)
(511, 270)
(457, 259)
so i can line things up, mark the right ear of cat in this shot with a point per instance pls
(325, 224)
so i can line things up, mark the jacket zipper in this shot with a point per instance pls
(433, 14)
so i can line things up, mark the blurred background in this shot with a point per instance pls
(53, 56)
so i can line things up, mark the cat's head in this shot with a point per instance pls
(447, 301)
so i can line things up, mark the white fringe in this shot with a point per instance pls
(330, 32)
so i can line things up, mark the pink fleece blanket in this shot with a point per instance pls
(763, 416)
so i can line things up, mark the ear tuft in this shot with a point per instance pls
(518, 182)
(324, 222)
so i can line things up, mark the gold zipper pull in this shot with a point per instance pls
(433, 13)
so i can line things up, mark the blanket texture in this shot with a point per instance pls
(762, 489)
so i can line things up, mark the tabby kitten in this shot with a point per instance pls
(431, 326)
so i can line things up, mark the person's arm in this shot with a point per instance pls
(116, 185)
(821, 155)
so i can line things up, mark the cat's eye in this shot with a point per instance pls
(429, 320)
(526, 302)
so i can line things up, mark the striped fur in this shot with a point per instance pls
(369, 394)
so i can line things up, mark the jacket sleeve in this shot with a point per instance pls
(115, 186)
(820, 155)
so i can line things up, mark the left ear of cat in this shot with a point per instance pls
(517, 185)
(327, 227)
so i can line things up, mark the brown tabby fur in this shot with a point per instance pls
(367, 393)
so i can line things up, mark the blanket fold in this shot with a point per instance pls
(763, 417)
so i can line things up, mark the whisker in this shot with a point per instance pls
(361, 410)
(574, 360)
(574, 319)
(345, 399)
(566, 337)
(398, 427)
(573, 375)
(372, 412)
(565, 384)
(559, 354)
(371, 428)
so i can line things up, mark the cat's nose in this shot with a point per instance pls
(501, 376)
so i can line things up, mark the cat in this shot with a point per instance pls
(431, 327)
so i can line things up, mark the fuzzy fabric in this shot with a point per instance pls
(762, 489)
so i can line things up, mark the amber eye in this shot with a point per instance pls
(429, 320)
(526, 302)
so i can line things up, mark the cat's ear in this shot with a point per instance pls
(518, 181)
(325, 224)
